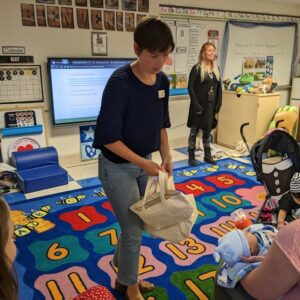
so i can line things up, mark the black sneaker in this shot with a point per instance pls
(209, 160)
(192, 162)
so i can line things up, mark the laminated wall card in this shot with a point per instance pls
(21, 143)
(86, 142)
(17, 135)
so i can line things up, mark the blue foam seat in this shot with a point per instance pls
(39, 169)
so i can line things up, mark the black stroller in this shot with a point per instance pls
(275, 159)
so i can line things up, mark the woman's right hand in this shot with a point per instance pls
(151, 168)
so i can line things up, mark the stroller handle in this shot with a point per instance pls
(243, 135)
(277, 123)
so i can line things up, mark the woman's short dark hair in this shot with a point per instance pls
(153, 35)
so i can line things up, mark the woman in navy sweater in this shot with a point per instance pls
(131, 125)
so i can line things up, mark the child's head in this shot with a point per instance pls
(8, 286)
(233, 245)
(154, 35)
(254, 240)
(295, 187)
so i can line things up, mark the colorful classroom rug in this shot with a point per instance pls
(66, 241)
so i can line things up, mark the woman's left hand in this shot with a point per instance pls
(167, 166)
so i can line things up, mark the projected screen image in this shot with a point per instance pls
(77, 85)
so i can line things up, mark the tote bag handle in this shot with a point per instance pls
(151, 187)
(162, 183)
(156, 183)
(165, 183)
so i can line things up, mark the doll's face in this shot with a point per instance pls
(253, 243)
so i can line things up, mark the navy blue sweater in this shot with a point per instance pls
(133, 113)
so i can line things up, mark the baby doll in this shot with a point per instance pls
(240, 251)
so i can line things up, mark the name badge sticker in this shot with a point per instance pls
(161, 94)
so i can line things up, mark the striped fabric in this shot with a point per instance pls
(295, 183)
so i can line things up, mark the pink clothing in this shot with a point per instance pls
(289, 242)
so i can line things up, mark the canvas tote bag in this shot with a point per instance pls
(161, 207)
(179, 231)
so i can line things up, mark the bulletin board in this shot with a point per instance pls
(189, 36)
(192, 27)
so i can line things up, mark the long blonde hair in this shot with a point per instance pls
(8, 283)
(214, 68)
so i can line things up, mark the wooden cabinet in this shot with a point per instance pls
(258, 110)
(295, 100)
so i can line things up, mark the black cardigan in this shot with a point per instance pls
(198, 92)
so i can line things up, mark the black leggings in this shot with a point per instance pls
(193, 135)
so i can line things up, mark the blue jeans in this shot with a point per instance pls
(124, 184)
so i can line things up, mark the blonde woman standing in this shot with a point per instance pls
(205, 92)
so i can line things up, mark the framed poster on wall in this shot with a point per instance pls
(99, 43)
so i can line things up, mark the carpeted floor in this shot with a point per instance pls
(66, 241)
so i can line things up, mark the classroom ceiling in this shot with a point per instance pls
(294, 2)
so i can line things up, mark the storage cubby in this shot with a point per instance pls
(256, 109)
